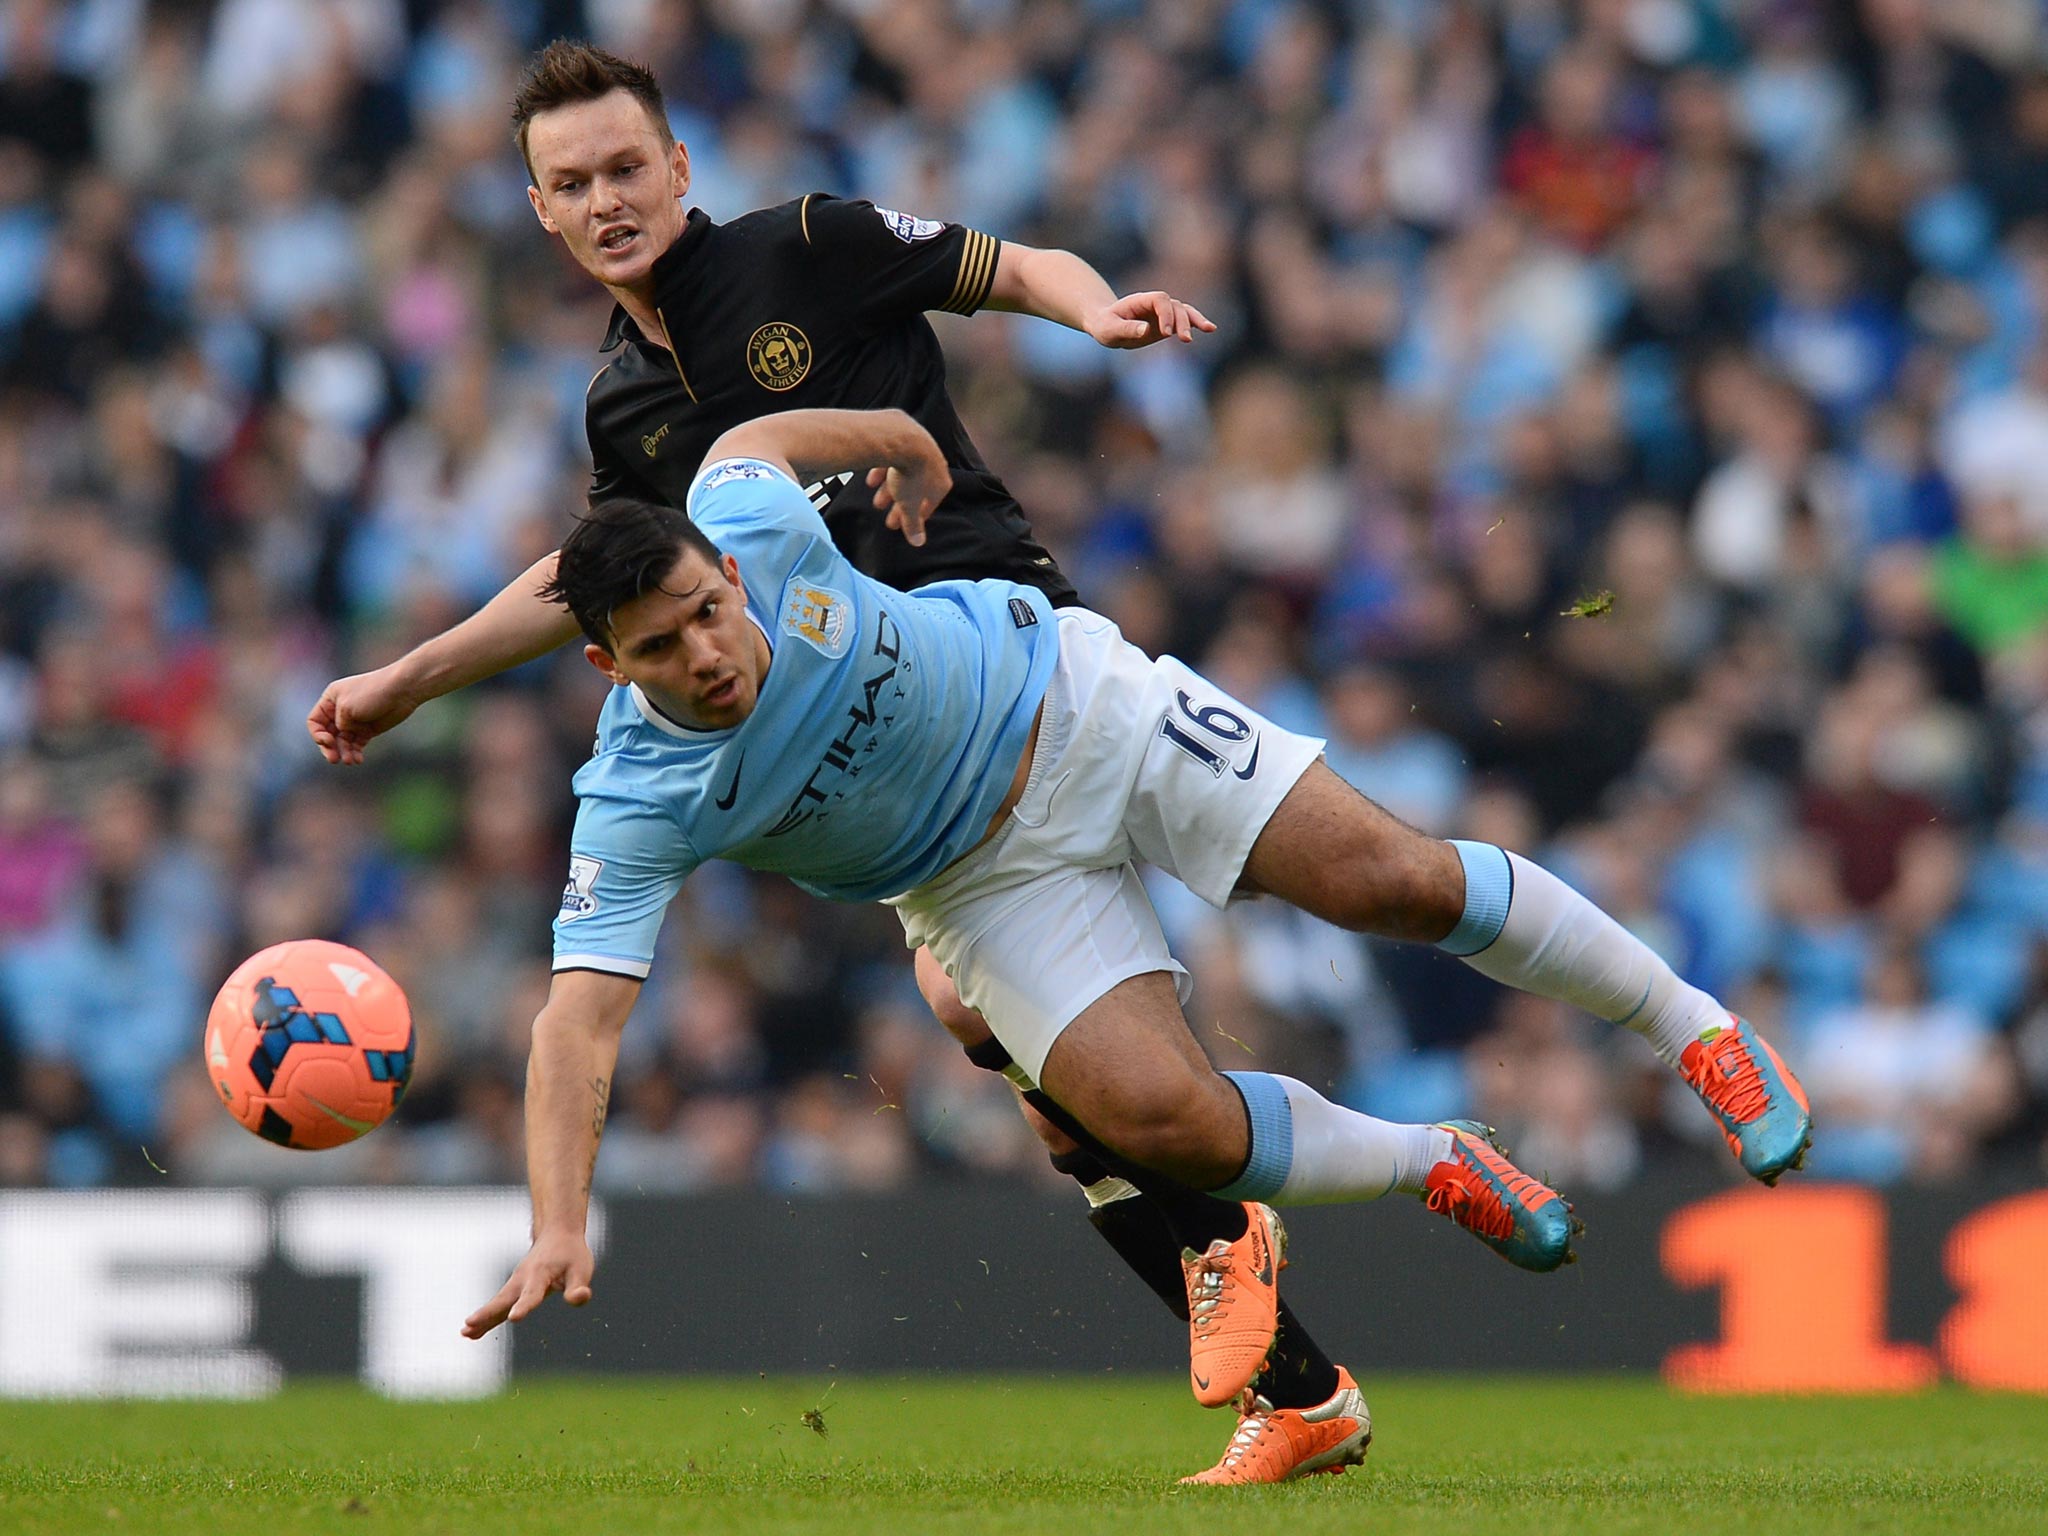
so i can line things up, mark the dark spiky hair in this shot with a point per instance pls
(565, 73)
(622, 548)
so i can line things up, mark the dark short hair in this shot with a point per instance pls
(565, 73)
(622, 548)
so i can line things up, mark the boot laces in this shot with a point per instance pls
(1473, 1204)
(1728, 1076)
(1249, 1429)
(1470, 1199)
(1209, 1281)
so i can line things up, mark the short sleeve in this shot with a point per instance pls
(895, 265)
(627, 860)
(739, 497)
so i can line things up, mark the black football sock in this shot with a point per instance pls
(1138, 1231)
(1298, 1374)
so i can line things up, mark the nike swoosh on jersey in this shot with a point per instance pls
(360, 1127)
(732, 790)
(1251, 767)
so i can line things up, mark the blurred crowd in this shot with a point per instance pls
(1626, 440)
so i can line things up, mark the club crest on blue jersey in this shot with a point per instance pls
(818, 615)
(908, 229)
(579, 898)
(737, 469)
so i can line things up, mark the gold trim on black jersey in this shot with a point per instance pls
(670, 342)
(977, 273)
(803, 215)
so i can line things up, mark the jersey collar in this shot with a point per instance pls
(667, 266)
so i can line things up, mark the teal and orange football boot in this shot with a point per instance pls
(1520, 1218)
(1761, 1107)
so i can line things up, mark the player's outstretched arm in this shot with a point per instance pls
(568, 1090)
(909, 476)
(514, 627)
(1060, 286)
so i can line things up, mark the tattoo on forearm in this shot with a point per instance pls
(601, 1091)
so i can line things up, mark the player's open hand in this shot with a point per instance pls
(557, 1261)
(352, 710)
(911, 485)
(1139, 319)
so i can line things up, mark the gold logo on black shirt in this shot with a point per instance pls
(650, 443)
(779, 356)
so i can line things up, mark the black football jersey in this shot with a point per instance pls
(819, 302)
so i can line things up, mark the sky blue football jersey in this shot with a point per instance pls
(886, 734)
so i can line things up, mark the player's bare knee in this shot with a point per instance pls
(963, 1023)
(1056, 1141)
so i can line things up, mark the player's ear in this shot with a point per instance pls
(605, 662)
(540, 209)
(730, 569)
(679, 168)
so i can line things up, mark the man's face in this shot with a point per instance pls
(690, 645)
(608, 180)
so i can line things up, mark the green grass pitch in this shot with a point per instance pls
(1015, 1454)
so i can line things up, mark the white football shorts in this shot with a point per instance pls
(1136, 759)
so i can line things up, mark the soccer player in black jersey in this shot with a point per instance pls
(821, 302)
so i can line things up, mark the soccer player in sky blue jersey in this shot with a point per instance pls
(994, 770)
(879, 755)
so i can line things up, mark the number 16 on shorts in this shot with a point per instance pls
(1192, 729)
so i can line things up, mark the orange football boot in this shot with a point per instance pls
(1234, 1306)
(1272, 1444)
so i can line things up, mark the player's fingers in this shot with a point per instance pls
(492, 1312)
(878, 474)
(320, 722)
(481, 1322)
(576, 1283)
(1202, 321)
(529, 1298)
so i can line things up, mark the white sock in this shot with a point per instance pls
(1308, 1151)
(1548, 939)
